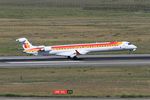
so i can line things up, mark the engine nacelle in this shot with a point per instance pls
(46, 49)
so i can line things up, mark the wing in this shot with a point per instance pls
(72, 53)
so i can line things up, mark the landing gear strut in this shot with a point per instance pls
(130, 51)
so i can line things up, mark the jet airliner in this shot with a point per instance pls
(73, 50)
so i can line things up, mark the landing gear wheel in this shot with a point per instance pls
(69, 57)
(75, 58)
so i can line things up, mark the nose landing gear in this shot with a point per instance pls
(130, 51)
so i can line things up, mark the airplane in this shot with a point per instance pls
(71, 51)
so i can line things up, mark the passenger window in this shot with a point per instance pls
(129, 43)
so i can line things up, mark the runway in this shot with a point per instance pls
(84, 61)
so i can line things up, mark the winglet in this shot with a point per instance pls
(77, 52)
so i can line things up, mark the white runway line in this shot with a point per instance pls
(37, 62)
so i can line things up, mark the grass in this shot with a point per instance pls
(67, 30)
(90, 81)
(50, 23)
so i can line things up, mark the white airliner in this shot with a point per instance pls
(72, 50)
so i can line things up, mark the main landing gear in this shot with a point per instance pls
(73, 58)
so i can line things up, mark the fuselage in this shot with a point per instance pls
(89, 47)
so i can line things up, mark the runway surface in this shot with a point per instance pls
(84, 61)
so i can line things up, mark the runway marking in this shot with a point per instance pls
(81, 62)
(36, 62)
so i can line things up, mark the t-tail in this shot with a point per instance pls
(25, 43)
(30, 49)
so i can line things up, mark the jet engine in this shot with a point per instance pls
(46, 49)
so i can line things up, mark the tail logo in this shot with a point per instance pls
(26, 45)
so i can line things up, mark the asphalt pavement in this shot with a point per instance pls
(83, 61)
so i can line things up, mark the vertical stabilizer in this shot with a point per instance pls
(25, 43)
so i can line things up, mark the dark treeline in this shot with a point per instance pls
(124, 7)
(127, 5)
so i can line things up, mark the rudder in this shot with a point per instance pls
(25, 43)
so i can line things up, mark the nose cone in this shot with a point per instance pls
(134, 47)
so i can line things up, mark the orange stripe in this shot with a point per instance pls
(26, 45)
(106, 44)
(33, 50)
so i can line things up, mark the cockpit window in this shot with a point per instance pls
(129, 43)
